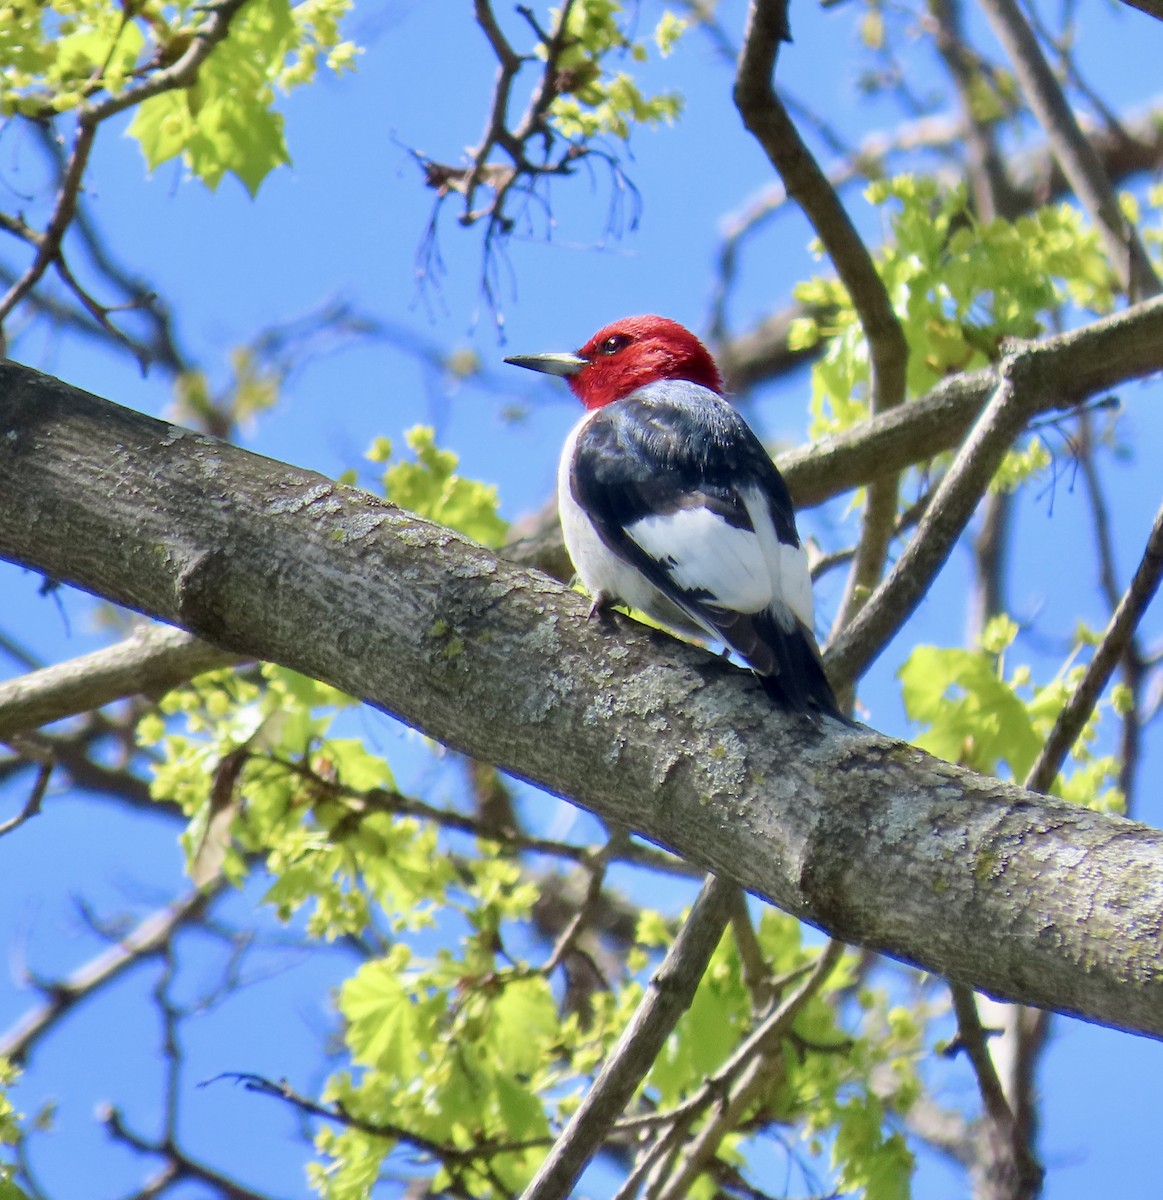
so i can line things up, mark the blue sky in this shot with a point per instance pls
(343, 223)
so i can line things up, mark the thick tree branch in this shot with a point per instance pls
(1099, 356)
(1040, 901)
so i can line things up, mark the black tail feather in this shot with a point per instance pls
(782, 651)
(794, 676)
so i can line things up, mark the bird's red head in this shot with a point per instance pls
(627, 355)
(636, 351)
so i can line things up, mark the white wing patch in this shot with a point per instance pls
(703, 553)
(790, 579)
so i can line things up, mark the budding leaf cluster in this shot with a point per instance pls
(596, 100)
(68, 55)
(975, 713)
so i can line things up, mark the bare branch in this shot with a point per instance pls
(667, 997)
(177, 1165)
(585, 914)
(32, 804)
(48, 244)
(767, 119)
(149, 938)
(1153, 8)
(1074, 153)
(149, 662)
(380, 800)
(1114, 642)
(1012, 1173)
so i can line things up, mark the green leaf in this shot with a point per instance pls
(973, 717)
(881, 1167)
(239, 138)
(161, 127)
(520, 1109)
(384, 1028)
(960, 288)
(226, 122)
(523, 1021)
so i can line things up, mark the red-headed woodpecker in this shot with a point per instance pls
(670, 504)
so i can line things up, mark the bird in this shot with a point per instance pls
(670, 504)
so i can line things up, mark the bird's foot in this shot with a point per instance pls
(600, 605)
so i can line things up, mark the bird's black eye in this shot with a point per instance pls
(614, 343)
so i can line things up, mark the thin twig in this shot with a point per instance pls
(32, 804)
(1114, 642)
(150, 937)
(177, 1164)
(1011, 1169)
(752, 962)
(585, 913)
(396, 803)
(441, 1151)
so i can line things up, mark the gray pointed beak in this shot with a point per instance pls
(549, 364)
